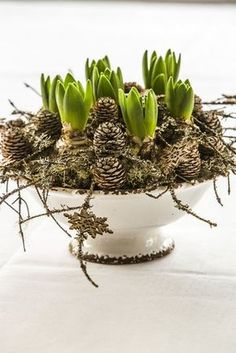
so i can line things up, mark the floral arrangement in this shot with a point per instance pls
(116, 137)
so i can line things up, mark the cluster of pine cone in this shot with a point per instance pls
(209, 124)
(109, 143)
(106, 130)
(17, 138)
(184, 156)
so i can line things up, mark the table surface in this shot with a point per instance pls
(180, 304)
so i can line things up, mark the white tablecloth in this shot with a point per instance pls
(183, 303)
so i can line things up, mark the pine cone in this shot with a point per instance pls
(105, 109)
(210, 123)
(129, 85)
(182, 158)
(19, 123)
(162, 111)
(169, 159)
(48, 123)
(189, 165)
(207, 149)
(109, 139)
(109, 173)
(14, 123)
(14, 145)
(198, 108)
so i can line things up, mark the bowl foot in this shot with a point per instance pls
(125, 250)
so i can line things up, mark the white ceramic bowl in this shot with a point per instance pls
(136, 220)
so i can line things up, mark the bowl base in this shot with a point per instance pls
(164, 249)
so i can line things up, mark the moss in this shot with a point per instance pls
(141, 174)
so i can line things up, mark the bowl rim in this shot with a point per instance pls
(123, 193)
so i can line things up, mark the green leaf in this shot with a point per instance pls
(80, 88)
(168, 53)
(107, 72)
(60, 93)
(159, 84)
(187, 82)
(115, 83)
(103, 63)
(158, 68)
(170, 94)
(95, 81)
(73, 108)
(88, 97)
(123, 106)
(172, 66)
(135, 113)
(107, 61)
(180, 100)
(151, 112)
(120, 78)
(138, 95)
(169, 63)
(105, 88)
(188, 108)
(87, 69)
(177, 68)
(100, 65)
(52, 97)
(145, 69)
(48, 85)
(44, 91)
(68, 79)
(153, 61)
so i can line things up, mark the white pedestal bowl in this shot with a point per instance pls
(137, 221)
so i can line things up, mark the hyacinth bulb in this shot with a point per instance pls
(101, 65)
(74, 102)
(139, 112)
(48, 91)
(158, 70)
(179, 99)
(107, 83)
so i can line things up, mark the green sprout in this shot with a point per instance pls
(140, 113)
(107, 83)
(74, 102)
(157, 72)
(179, 99)
(48, 88)
(101, 64)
